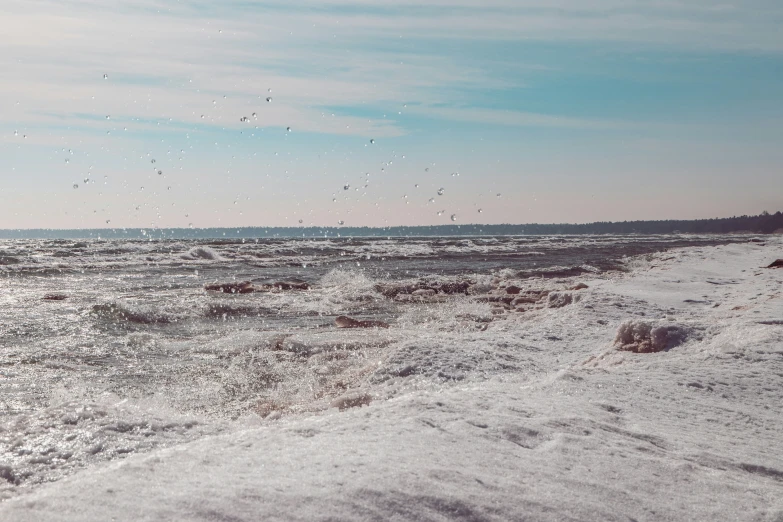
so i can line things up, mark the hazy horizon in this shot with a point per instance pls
(754, 225)
(521, 111)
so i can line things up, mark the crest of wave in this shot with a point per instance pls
(348, 285)
(274, 374)
(120, 248)
(202, 252)
(645, 261)
(133, 313)
(455, 314)
(339, 291)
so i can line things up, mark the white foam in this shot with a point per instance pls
(202, 252)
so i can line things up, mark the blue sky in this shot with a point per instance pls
(571, 110)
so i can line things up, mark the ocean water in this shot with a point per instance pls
(114, 348)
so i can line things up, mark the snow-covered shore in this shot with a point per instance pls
(579, 430)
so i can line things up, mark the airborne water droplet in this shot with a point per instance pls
(152, 160)
(372, 141)
(480, 211)
(346, 187)
(160, 173)
(441, 191)
(498, 194)
(108, 117)
(341, 222)
(454, 217)
(108, 221)
(75, 185)
(105, 76)
(300, 221)
(440, 212)
(432, 200)
(288, 129)
(268, 99)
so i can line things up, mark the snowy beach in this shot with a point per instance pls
(467, 408)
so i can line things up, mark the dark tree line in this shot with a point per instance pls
(764, 223)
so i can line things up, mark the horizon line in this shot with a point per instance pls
(346, 227)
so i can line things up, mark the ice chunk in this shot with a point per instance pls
(643, 337)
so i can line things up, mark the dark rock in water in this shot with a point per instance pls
(344, 321)
(243, 287)
(557, 272)
(291, 285)
(8, 260)
(776, 264)
(454, 288)
(580, 286)
(219, 310)
(55, 297)
(247, 287)
(513, 290)
(393, 290)
(280, 286)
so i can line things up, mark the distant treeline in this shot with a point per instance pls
(764, 223)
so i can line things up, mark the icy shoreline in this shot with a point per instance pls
(578, 431)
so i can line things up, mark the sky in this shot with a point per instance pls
(157, 113)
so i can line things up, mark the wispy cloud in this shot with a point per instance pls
(169, 60)
(517, 119)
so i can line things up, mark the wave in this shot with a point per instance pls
(558, 271)
(202, 253)
(116, 312)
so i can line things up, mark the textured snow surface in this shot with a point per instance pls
(542, 416)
